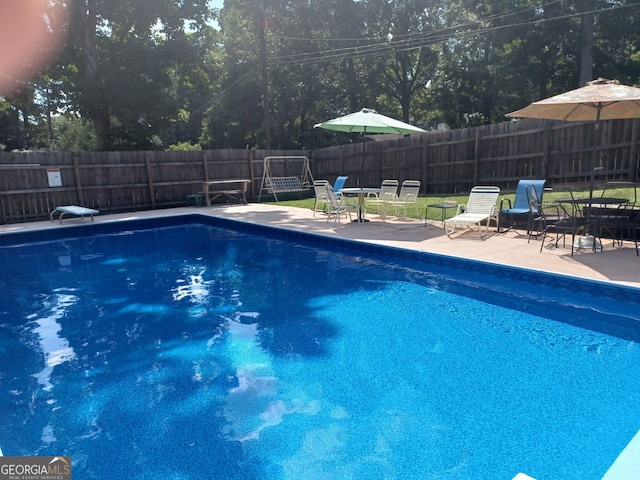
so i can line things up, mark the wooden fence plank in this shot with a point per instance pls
(150, 182)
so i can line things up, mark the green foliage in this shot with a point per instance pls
(23, 123)
(73, 134)
(158, 74)
(184, 146)
(139, 68)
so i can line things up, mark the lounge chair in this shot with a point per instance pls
(480, 208)
(339, 183)
(408, 197)
(73, 210)
(519, 213)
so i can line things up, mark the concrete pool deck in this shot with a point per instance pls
(617, 264)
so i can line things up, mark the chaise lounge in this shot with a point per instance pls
(480, 208)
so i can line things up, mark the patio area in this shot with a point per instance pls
(615, 264)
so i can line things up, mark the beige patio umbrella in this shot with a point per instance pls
(598, 100)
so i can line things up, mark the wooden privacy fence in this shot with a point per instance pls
(120, 181)
(445, 162)
(501, 154)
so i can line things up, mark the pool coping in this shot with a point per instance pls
(514, 272)
(618, 265)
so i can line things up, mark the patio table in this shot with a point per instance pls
(591, 204)
(360, 191)
(236, 193)
(444, 206)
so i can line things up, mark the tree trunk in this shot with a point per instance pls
(93, 97)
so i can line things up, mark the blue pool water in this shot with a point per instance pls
(185, 350)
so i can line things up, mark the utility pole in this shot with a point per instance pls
(586, 44)
(262, 20)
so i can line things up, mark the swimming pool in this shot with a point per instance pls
(192, 348)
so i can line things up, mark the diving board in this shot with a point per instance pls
(73, 210)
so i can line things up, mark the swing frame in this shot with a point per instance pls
(274, 185)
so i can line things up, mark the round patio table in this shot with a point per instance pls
(588, 241)
(593, 202)
(360, 191)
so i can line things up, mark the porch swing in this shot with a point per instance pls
(274, 185)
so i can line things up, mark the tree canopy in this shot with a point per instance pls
(179, 74)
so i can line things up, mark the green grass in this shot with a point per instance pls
(436, 214)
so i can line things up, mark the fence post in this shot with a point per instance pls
(76, 172)
(205, 166)
(252, 174)
(545, 148)
(476, 154)
(150, 182)
(423, 164)
(633, 151)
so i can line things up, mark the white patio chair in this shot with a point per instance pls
(320, 189)
(388, 192)
(337, 206)
(408, 197)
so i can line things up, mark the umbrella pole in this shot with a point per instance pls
(593, 167)
(594, 156)
(362, 159)
(590, 241)
(360, 196)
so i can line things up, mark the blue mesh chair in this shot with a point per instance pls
(511, 216)
(338, 185)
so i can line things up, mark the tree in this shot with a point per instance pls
(72, 134)
(503, 55)
(616, 52)
(22, 125)
(129, 60)
(234, 119)
(406, 65)
(151, 74)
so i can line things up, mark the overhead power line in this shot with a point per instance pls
(420, 40)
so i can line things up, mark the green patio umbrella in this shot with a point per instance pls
(366, 121)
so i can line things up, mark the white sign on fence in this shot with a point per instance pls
(54, 177)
